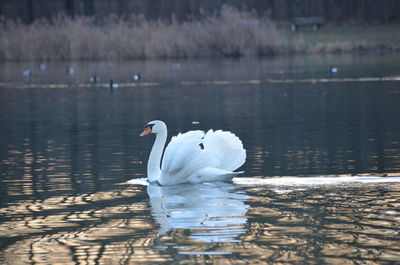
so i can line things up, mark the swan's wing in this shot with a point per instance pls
(185, 156)
(225, 148)
(195, 149)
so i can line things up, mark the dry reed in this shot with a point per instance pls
(232, 33)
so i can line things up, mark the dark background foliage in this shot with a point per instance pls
(335, 11)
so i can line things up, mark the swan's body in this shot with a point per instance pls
(194, 156)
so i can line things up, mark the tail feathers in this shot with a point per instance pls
(213, 174)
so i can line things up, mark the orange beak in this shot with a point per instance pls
(146, 131)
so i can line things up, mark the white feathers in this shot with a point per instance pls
(183, 155)
(196, 157)
(193, 157)
(226, 147)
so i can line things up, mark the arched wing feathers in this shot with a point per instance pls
(189, 153)
(226, 148)
(184, 156)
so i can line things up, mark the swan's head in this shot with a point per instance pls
(154, 127)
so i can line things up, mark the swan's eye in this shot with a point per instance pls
(150, 125)
(201, 145)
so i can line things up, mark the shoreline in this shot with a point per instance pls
(372, 51)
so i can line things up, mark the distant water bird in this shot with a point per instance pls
(27, 73)
(42, 67)
(333, 69)
(113, 85)
(70, 70)
(94, 79)
(137, 77)
(176, 66)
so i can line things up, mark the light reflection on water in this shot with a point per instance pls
(325, 224)
(67, 152)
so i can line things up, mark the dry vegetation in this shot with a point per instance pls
(233, 33)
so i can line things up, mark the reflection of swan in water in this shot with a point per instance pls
(214, 212)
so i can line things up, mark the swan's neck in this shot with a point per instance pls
(153, 166)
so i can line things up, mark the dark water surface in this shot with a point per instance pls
(68, 148)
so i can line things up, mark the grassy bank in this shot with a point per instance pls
(232, 34)
(331, 39)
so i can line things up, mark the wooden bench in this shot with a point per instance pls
(315, 22)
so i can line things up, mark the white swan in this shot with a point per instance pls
(194, 156)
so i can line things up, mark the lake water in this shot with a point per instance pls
(322, 180)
